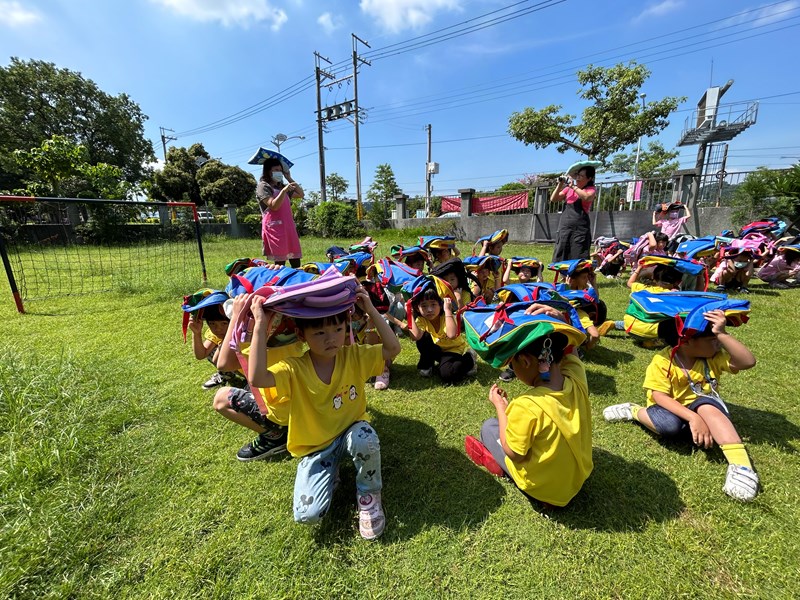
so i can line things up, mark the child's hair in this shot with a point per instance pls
(661, 238)
(668, 331)
(666, 274)
(214, 312)
(316, 322)
(428, 294)
(559, 343)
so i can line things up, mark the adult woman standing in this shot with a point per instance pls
(278, 231)
(574, 230)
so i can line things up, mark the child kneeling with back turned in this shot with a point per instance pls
(542, 439)
(320, 396)
(682, 397)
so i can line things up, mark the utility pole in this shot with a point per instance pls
(357, 120)
(320, 120)
(166, 138)
(428, 175)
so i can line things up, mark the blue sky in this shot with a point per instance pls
(193, 64)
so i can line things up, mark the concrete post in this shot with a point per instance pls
(233, 221)
(400, 206)
(466, 202)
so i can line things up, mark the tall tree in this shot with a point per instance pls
(38, 100)
(380, 193)
(336, 186)
(613, 120)
(222, 184)
(656, 161)
(177, 180)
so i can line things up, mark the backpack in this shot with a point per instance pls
(393, 275)
(240, 264)
(254, 278)
(567, 268)
(497, 332)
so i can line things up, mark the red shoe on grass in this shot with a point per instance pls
(480, 455)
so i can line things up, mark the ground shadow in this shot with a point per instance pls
(620, 495)
(406, 378)
(424, 485)
(600, 383)
(603, 355)
(764, 427)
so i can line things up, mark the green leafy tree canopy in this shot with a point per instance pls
(613, 120)
(655, 161)
(380, 193)
(335, 187)
(39, 100)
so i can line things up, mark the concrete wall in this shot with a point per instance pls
(544, 227)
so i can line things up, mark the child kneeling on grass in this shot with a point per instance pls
(240, 406)
(682, 396)
(322, 400)
(543, 439)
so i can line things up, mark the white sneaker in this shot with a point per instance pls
(474, 370)
(425, 372)
(382, 380)
(371, 520)
(215, 380)
(741, 483)
(618, 412)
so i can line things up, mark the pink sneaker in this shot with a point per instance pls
(480, 455)
(382, 380)
(371, 520)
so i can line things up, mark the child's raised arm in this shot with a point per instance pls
(257, 373)
(741, 357)
(450, 325)
(507, 273)
(202, 348)
(227, 361)
(390, 343)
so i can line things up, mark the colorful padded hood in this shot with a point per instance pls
(421, 284)
(359, 259)
(365, 245)
(698, 248)
(501, 235)
(240, 264)
(498, 332)
(518, 262)
(654, 308)
(394, 275)
(682, 265)
(402, 253)
(195, 303)
(491, 262)
(253, 278)
(428, 242)
(316, 268)
(567, 268)
(453, 265)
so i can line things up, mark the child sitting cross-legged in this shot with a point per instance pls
(320, 396)
(542, 439)
(682, 396)
(433, 311)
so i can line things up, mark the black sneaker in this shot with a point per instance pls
(265, 445)
(506, 375)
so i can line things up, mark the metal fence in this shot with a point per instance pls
(713, 190)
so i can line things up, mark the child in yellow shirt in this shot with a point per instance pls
(321, 398)
(682, 397)
(543, 439)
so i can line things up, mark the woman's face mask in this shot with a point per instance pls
(277, 176)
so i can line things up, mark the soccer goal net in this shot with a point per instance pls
(54, 247)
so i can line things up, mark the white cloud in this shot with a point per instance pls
(660, 9)
(13, 14)
(397, 15)
(242, 13)
(329, 22)
(764, 16)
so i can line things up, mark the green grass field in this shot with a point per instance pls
(118, 480)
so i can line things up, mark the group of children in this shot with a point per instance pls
(306, 375)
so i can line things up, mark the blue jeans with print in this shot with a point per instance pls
(316, 473)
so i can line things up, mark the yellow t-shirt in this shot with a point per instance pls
(317, 412)
(208, 335)
(675, 383)
(654, 289)
(553, 431)
(274, 355)
(440, 337)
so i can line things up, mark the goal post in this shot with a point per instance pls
(53, 247)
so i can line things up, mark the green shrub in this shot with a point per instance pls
(300, 216)
(334, 219)
(251, 219)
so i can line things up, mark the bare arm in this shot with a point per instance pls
(506, 273)
(227, 360)
(450, 325)
(414, 330)
(634, 276)
(201, 348)
(257, 373)
(499, 398)
(390, 343)
(741, 357)
(557, 195)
